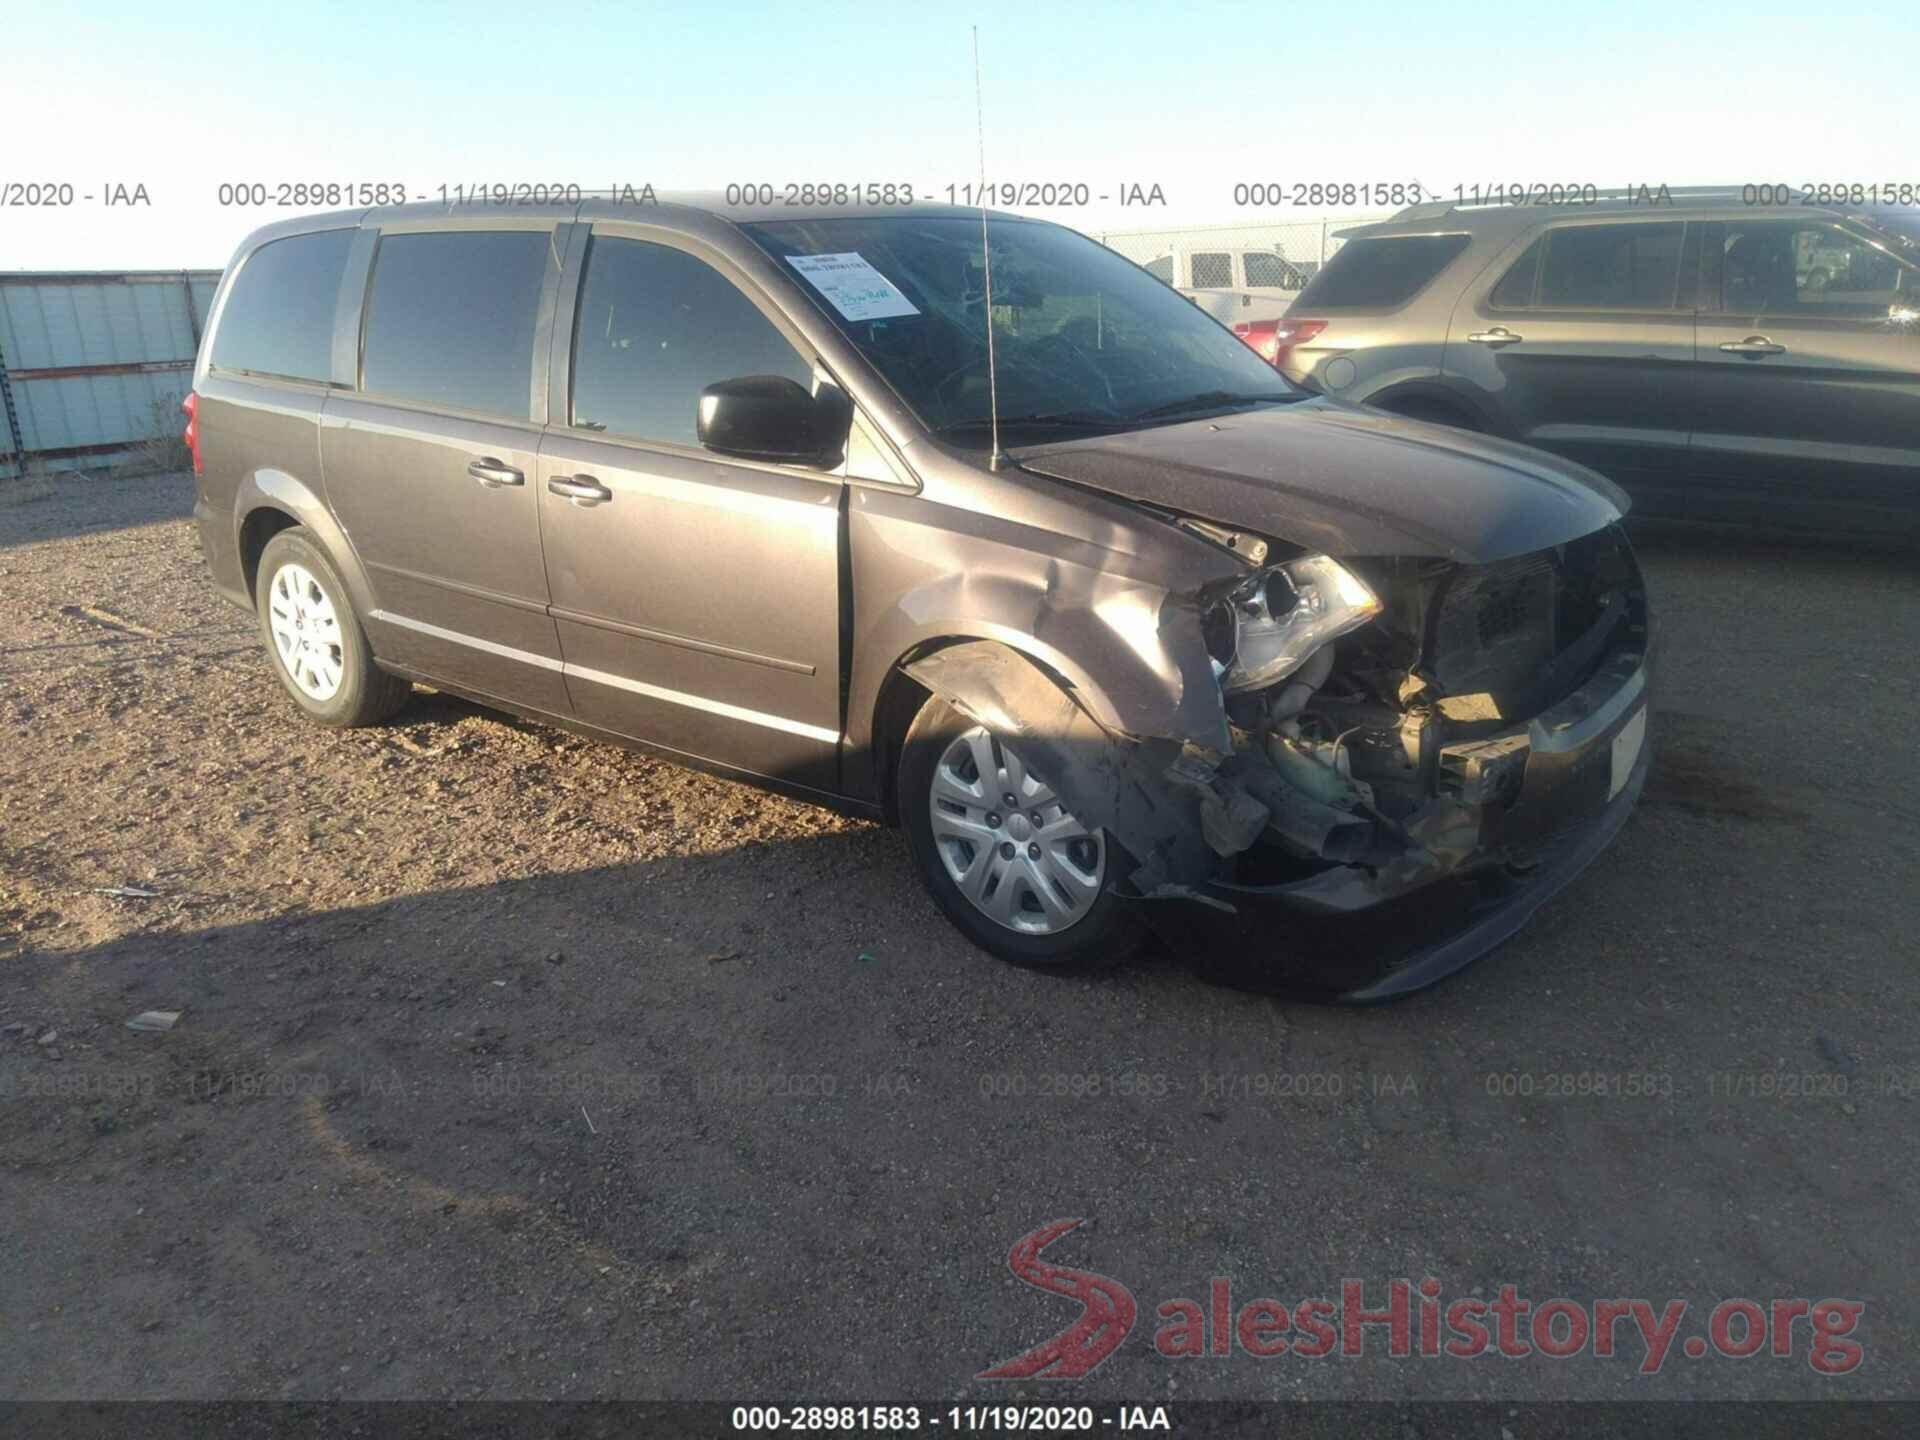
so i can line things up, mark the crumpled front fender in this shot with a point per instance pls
(1109, 781)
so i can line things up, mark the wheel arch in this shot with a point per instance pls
(270, 501)
(1432, 394)
(902, 694)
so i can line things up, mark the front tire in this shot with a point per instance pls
(314, 640)
(1025, 881)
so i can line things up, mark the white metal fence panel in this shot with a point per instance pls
(93, 366)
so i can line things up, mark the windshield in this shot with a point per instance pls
(1081, 337)
(1903, 225)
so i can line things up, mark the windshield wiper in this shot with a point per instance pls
(1211, 400)
(1067, 419)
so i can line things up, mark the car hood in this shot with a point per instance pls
(1339, 480)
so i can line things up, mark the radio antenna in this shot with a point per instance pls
(995, 460)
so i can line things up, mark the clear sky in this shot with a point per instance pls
(1193, 97)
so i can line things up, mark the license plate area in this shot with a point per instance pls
(1626, 750)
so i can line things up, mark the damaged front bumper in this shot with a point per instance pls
(1360, 934)
(1393, 806)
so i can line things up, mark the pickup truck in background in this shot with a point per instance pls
(1236, 286)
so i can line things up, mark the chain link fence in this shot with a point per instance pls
(1237, 273)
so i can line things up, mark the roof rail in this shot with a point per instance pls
(1525, 198)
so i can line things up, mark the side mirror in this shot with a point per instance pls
(772, 418)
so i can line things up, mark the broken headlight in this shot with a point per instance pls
(1278, 617)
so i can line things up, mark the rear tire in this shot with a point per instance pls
(314, 640)
(1050, 903)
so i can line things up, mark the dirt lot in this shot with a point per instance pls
(511, 1065)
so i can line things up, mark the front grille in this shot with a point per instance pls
(1495, 626)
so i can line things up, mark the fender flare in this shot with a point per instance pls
(1440, 393)
(277, 490)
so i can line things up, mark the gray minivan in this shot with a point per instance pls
(1733, 356)
(1121, 627)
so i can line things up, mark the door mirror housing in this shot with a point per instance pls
(773, 418)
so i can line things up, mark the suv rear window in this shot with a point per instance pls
(278, 319)
(1387, 271)
(451, 318)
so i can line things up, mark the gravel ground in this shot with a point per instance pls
(512, 1065)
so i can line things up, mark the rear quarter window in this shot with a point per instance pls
(278, 318)
(1389, 270)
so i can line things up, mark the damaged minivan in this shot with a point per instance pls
(963, 522)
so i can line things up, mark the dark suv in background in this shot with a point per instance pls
(1721, 361)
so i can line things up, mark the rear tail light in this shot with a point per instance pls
(192, 433)
(1271, 340)
(1276, 347)
(1258, 335)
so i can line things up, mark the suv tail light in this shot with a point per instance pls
(192, 433)
(1278, 346)
(1272, 340)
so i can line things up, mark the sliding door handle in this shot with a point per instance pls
(581, 489)
(492, 474)
(1754, 345)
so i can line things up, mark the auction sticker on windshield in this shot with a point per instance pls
(856, 289)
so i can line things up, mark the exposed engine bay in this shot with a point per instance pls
(1401, 744)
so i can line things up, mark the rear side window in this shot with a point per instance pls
(451, 317)
(1612, 267)
(655, 328)
(1386, 271)
(1212, 270)
(278, 318)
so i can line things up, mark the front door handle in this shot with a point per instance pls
(1754, 346)
(1495, 338)
(581, 489)
(492, 474)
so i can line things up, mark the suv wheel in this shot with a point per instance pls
(1007, 862)
(319, 650)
